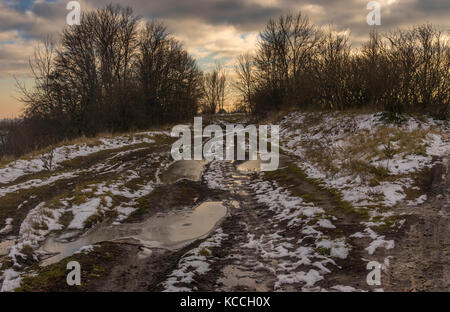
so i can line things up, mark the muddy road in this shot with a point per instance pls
(422, 257)
(216, 226)
(242, 232)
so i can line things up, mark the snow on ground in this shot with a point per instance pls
(372, 164)
(93, 201)
(106, 190)
(378, 241)
(341, 288)
(8, 226)
(195, 262)
(336, 139)
(11, 280)
(39, 222)
(303, 261)
(37, 183)
(85, 249)
(42, 220)
(214, 176)
(82, 212)
(21, 167)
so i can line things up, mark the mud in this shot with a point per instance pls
(421, 259)
(255, 165)
(165, 231)
(234, 278)
(182, 212)
(184, 169)
(232, 268)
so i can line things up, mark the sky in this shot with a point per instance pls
(211, 30)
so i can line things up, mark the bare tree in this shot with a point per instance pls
(40, 100)
(214, 90)
(245, 80)
(47, 159)
(168, 78)
(284, 62)
(333, 62)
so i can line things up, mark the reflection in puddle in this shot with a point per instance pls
(5, 246)
(250, 166)
(255, 165)
(234, 277)
(184, 169)
(145, 253)
(171, 231)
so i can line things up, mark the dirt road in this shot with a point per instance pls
(422, 258)
(281, 231)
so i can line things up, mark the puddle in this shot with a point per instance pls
(250, 166)
(145, 253)
(255, 165)
(170, 231)
(235, 204)
(235, 277)
(184, 169)
(5, 247)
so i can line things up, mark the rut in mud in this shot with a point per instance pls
(270, 248)
(266, 247)
(422, 259)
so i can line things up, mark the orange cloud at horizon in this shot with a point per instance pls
(10, 107)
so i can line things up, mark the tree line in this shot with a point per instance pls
(114, 73)
(297, 64)
(111, 73)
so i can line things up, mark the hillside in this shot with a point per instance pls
(350, 189)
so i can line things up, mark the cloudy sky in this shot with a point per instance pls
(212, 30)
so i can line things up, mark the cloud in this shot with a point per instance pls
(14, 57)
(244, 13)
(210, 29)
(212, 42)
(23, 24)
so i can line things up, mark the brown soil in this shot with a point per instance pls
(421, 259)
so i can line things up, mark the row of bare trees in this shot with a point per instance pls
(110, 73)
(299, 64)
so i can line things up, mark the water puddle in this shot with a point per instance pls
(236, 277)
(255, 165)
(169, 231)
(5, 247)
(250, 166)
(184, 170)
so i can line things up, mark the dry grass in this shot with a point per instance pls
(360, 147)
(276, 116)
(370, 145)
(322, 157)
(83, 140)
